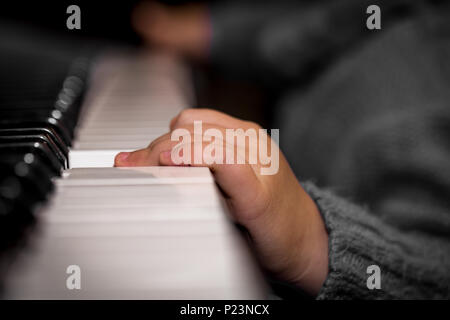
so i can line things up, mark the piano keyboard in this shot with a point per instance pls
(131, 108)
(134, 233)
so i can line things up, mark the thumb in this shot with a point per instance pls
(138, 158)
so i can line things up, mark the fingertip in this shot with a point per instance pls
(121, 158)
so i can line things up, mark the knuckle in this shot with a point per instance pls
(151, 145)
(186, 115)
(254, 125)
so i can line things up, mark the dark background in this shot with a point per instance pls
(99, 18)
(108, 22)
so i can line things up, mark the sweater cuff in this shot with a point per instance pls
(355, 243)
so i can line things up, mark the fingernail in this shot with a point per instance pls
(123, 156)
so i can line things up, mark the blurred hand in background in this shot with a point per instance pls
(182, 29)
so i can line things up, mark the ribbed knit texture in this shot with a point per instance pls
(376, 130)
(373, 126)
(413, 265)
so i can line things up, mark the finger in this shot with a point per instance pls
(147, 156)
(239, 182)
(138, 158)
(188, 116)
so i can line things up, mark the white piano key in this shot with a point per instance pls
(136, 229)
(143, 123)
(136, 233)
(93, 158)
(151, 175)
(55, 215)
(122, 138)
(139, 131)
(133, 145)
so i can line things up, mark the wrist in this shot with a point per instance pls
(306, 246)
(312, 258)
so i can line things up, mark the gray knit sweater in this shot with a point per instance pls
(372, 128)
(413, 265)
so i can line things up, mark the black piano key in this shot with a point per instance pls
(38, 148)
(38, 138)
(15, 216)
(49, 132)
(36, 113)
(41, 93)
(25, 183)
(43, 122)
(32, 172)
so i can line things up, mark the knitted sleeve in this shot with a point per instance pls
(286, 41)
(412, 265)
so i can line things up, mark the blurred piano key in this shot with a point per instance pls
(136, 233)
(177, 243)
(130, 103)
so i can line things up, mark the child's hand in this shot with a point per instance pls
(183, 29)
(283, 221)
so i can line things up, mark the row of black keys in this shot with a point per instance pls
(38, 116)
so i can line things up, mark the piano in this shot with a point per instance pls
(131, 233)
